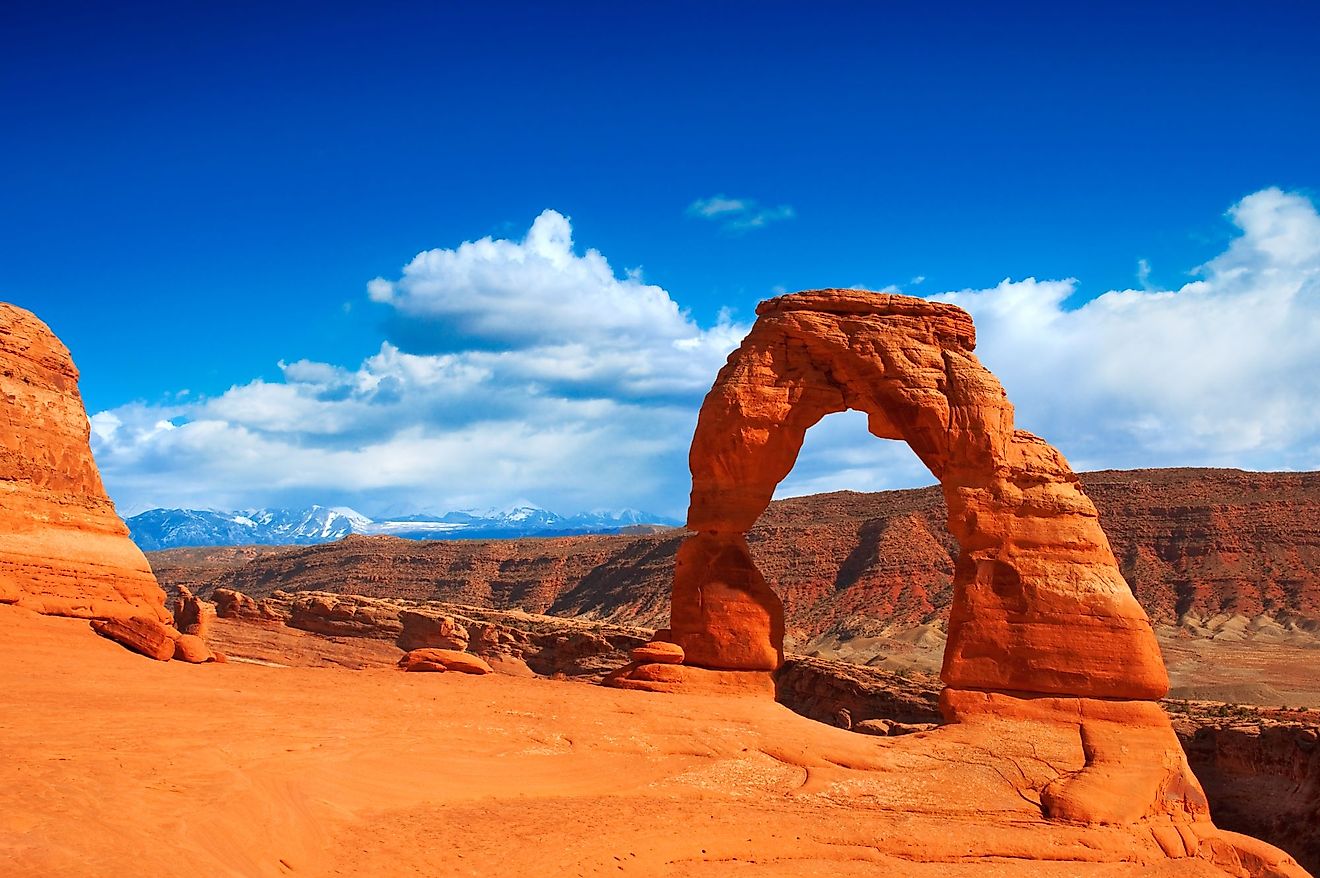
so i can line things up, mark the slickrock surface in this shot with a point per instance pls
(1259, 784)
(63, 550)
(240, 769)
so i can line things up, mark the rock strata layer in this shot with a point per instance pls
(63, 551)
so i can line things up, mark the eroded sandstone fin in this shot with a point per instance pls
(63, 551)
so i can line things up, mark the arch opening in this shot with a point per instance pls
(861, 576)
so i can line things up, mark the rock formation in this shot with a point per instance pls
(140, 634)
(1039, 605)
(1262, 775)
(444, 660)
(192, 615)
(230, 604)
(63, 551)
(1045, 636)
(436, 630)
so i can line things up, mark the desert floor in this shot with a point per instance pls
(117, 765)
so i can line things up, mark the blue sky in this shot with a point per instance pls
(195, 196)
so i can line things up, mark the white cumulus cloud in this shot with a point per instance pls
(529, 368)
(1221, 371)
(565, 382)
(1224, 370)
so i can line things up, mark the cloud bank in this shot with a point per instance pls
(523, 368)
(1222, 371)
(566, 384)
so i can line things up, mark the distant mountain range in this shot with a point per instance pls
(175, 528)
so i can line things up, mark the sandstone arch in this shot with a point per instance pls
(1039, 603)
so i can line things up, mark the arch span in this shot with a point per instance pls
(1039, 603)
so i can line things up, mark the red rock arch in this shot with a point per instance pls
(1039, 603)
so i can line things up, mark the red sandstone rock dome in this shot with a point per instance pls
(63, 551)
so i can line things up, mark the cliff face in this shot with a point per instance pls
(1194, 543)
(1263, 779)
(1197, 543)
(63, 551)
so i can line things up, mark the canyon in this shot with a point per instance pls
(1048, 753)
(1226, 562)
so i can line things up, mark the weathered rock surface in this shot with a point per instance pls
(345, 616)
(547, 645)
(424, 629)
(690, 679)
(444, 659)
(63, 551)
(230, 604)
(1039, 605)
(1262, 775)
(193, 649)
(659, 651)
(867, 700)
(142, 634)
(774, 795)
(823, 690)
(192, 615)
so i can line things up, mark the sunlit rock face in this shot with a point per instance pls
(1039, 604)
(63, 551)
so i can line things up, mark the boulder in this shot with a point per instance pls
(659, 652)
(881, 727)
(193, 649)
(509, 666)
(142, 634)
(449, 659)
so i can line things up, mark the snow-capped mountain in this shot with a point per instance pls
(173, 528)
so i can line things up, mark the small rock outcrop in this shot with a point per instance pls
(63, 551)
(659, 651)
(230, 604)
(192, 648)
(422, 629)
(444, 659)
(344, 616)
(192, 615)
